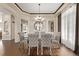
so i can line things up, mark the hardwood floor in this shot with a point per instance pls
(9, 48)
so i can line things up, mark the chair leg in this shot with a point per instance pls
(50, 51)
(41, 50)
(29, 51)
(37, 50)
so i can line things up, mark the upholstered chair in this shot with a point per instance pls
(33, 41)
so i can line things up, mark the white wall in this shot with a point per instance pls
(0, 27)
(6, 35)
(18, 25)
(12, 9)
(0, 22)
(8, 10)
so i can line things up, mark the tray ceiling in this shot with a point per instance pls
(44, 7)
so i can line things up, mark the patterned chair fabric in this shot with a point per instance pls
(56, 40)
(21, 36)
(33, 41)
(46, 41)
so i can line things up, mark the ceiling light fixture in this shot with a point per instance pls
(39, 18)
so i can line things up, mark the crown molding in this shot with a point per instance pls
(38, 13)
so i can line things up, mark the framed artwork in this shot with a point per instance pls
(38, 25)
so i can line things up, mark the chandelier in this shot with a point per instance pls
(39, 18)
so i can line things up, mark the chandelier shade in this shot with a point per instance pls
(39, 18)
(39, 21)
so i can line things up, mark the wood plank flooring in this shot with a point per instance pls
(9, 48)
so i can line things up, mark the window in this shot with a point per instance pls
(68, 27)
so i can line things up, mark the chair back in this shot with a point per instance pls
(57, 35)
(21, 36)
(46, 40)
(33, 40)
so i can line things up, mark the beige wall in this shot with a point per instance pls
(47, 18)
(11, 9)
(0, 22)
(6, 35)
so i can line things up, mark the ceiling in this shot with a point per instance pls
(44, 7)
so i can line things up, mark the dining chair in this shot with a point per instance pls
(23, 46)
(56, 40)
(33, 41)
(21, 36)
(46, 41)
